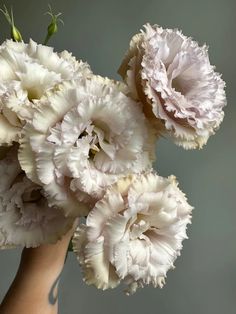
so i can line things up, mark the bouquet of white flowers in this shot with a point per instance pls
(75, 144)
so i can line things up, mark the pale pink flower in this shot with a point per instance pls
(28, 72)
(134, 233)
(81, 139)
(172, 76)
(25, 217)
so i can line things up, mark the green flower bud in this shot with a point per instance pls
(15, 33)
(53, 26)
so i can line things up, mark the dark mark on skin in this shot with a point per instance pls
(53, 293)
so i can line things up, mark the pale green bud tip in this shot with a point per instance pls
(15, 34)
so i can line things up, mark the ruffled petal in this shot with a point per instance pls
(25, 217)
(172, 76)
(136, 230)
(84, 137)
(28, 73)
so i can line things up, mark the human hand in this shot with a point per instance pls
(35, 287)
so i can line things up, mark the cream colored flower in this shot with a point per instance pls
(173, 78)
(134, 233)
(28, 72)
(82, 139)
(25, 217)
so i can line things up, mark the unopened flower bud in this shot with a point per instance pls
(15, 33)
(52, 27)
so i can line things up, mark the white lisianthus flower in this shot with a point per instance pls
(134, 233)
(25, 217)
(82, 139)
(173, 78)
(28, 72)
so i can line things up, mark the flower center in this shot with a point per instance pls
(94, 143)
(33, 93)
(98, 135)
(176, 84)
(32, 196)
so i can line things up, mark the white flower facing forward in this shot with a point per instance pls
(134, 233)
(28, 72)
(173, 78)
(82, 139)
(25, 217)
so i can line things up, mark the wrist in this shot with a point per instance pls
(47, 258)
(43, 259)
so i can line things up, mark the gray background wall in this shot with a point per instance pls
(204, 281)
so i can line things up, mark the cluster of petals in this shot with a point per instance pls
(75, 144)
(134, 233)
(25, 217)
(81, 139)
(28, 72)
(172, 76)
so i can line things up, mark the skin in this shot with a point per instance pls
(35, 287)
